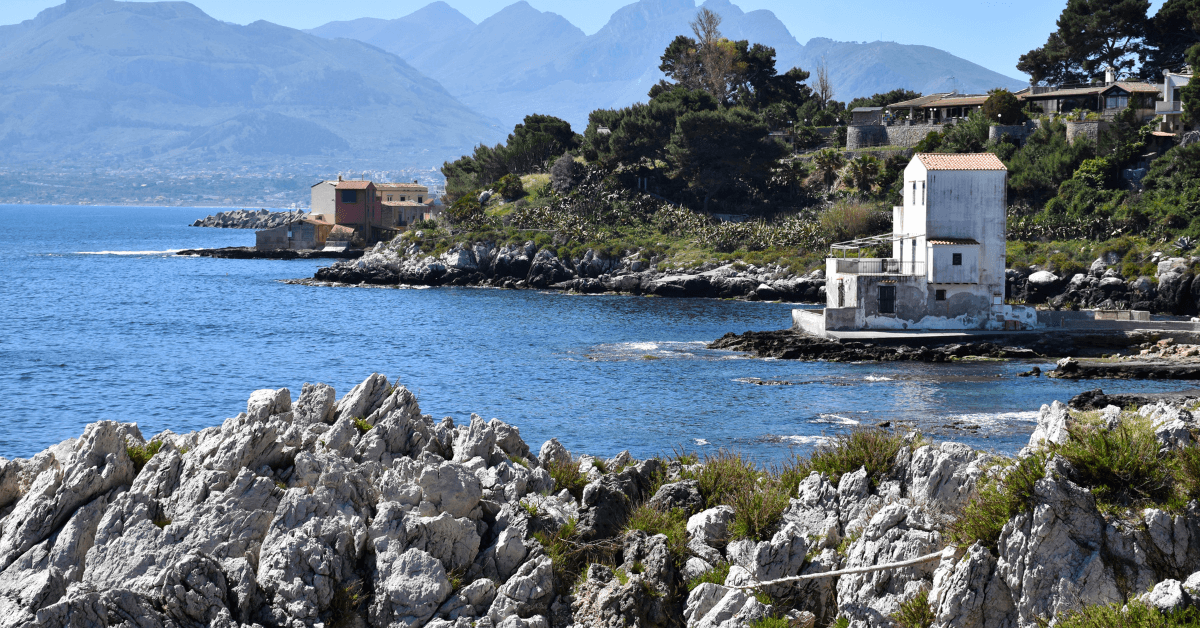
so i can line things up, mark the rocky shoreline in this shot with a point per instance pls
(365, 512)
(250, 219)
(1173, 290)
(530, 267)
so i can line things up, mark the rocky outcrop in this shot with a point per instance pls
(363, 511)
(1173, 289)
(250, 219)
(791, 344)
(528, 266)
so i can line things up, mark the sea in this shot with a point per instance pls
(105, 322)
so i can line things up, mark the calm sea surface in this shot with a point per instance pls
(103, 322)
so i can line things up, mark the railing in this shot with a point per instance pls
(877, 266)
(1168, 106)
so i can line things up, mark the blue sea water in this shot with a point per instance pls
(105, 322)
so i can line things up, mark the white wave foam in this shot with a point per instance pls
(643, 346)
(993, 418)
(167, 252)
(700, 441)
(878, 378)
(796, 439)
(836, 419)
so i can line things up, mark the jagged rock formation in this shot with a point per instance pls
(1174, 289)
(527, 266)
(250, 219)
(364, 512)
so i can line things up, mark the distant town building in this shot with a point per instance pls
(323, 200)
(946, 269)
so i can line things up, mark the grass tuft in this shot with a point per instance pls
(915, 613)
(716, 575)
(771, 622)
(141, 454)
(519, 461)
(872, 448)
(162, 523)
(566, 475)
(362, 425)
(672, 523)
(1132, 615)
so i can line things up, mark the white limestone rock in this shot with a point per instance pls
(711, 526)
(1051, 425)
(409, 589)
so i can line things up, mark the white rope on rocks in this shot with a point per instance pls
(846, 572)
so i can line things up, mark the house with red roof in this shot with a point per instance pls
(947, 256)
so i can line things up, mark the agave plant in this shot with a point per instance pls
(1185, 244)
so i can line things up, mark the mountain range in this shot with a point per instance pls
(117, 81)
(522, 60)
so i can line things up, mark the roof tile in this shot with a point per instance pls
(971, 161)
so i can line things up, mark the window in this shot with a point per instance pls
(887, 299)
(922, 192)
(841, 294)
(420, 199)
(389, 198)
(914, 193)
(1116, 102)
(349, 196)
(957, 259)
(939, 295)
(401, 199)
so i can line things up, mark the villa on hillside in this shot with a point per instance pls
(946, 269)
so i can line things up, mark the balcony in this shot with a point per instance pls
(1168, 106)
(879, 266)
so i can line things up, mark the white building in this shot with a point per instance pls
(323, 201)
(1171, 107)
(946, 269)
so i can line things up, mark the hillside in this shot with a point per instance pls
(118, 81)
(569, 74)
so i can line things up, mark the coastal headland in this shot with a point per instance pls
(362, 511)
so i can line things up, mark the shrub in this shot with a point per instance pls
(564, 174)
(566, 475)
(565, 554)
(997, 500)
(1119, 465)
(721, 476)
(510, 187)
(716, 575)
(915, 613)
(362, 425)
(846, 221)
(771, 622)
(758, 508)
(141, 454)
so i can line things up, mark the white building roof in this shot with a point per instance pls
(970, 161)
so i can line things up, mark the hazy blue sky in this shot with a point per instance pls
(992, 34)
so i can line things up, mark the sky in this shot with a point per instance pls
(992, 34)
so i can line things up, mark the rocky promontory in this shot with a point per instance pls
(250, 219)
(365, 512)
(530, 266)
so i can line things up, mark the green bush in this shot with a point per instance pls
(362, 425)
(141, 454)
(1120, 465)
(510, 187)
(996, 501)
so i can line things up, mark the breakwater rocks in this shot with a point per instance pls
(1174, 289)
(249, 252)
(364, 512)
(790, 344)
(527, 266)
(250, 219)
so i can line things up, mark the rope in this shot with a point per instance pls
(846, 572)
